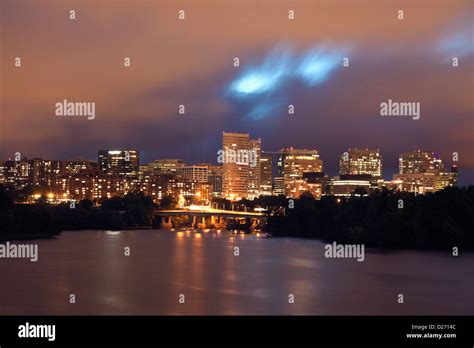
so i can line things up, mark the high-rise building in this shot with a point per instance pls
(255, 169)
(236, 162)
(119, 162)
(296, 163)
(422, 172)
(361, 162)
(420, 162)
(280, 162)
(215, 178)
(266, 175)
(279, 186)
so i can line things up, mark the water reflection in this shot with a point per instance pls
(201, 264)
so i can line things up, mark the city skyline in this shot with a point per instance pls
(281, 63)
(272, 154)
(237, 176)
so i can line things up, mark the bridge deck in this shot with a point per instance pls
(209, 212)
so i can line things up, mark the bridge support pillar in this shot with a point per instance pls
(202, 224)
(217, 221)
(166, 222)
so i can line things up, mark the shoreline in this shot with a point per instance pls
(10, 238)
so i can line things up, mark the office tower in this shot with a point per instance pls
(255, 170)
(266, 175)
(296, 163)
(361, 161)
(280, 162)
(236, 162)
(422, 172)
(278, 186)
(215, 178)
(420, 162)
(119, 162)
(198, 173)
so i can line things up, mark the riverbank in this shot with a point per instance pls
(384, 219)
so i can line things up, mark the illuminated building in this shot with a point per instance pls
(420, 162)
(43, 173)
(236, 169)
(215, 177)
(119, 162)
(348, 185)
(453, 175)
(255, 170)
(198, 173)
(107, 186)
(75, 166)
(91, 185)
(16, 173)
(297, 162)
(266, 175)
(422, 172)
(203, 193)
(182, 187)
(299, 186)
(2, 172)
(361, 161)
(152, 184)
(419, 183)
(167, 166)
(79, 186)
(279, 186)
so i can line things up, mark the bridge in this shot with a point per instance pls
(204, 217)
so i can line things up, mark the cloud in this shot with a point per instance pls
(281, 67)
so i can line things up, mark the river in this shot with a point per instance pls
(163, 265)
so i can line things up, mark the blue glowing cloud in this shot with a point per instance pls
(263, 109)
(281, 66)
(266, 77)
(313, 67)
(458, 44)
(316, 65)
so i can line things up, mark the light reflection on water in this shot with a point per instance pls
(201, 265)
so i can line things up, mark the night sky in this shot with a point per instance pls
(282, 62)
